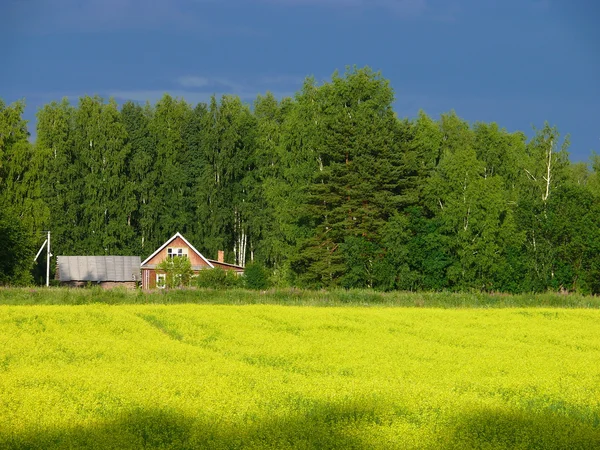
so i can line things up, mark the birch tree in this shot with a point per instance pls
(223, 188)
(172, 199)
(544, 171)
(473, 208)
(141, 180)
(61, 182)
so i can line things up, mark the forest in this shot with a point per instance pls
(329, 188)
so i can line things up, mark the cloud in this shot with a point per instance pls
(192, 97)
(200, 88)
(235, 86)
(193, 81)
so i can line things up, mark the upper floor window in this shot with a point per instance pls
(176, 251)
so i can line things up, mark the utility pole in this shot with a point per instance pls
(48, 255)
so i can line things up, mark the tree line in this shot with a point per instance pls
(329, 188)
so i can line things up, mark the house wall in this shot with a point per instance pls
(149, 278)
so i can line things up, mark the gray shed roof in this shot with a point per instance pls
(99, 268)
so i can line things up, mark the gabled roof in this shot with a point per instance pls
(177, 235)
(98, 268)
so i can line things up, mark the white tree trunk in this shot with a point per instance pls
(548, 173)
(244, 242)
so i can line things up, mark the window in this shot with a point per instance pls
(161, 280)
(176, 251)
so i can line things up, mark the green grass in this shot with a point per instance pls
(296, 297)
(269, 376)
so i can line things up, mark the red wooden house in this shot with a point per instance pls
(179, 246)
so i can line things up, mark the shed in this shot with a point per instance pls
(106, 271)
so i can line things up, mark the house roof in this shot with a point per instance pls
(235, 266)
(99, 268)
(177, 235)
(194, 267)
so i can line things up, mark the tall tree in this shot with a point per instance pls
(473, 208)
(545, 170)
(355, 189)
(19, 195)
(223, 193)
(20, 170)
(100, 140)
(287, 185)
(266, 181)
(172, 200)
(61, 182)
(140, 185)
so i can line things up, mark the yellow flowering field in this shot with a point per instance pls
(269, 376)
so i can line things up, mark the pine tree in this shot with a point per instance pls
(356, 188)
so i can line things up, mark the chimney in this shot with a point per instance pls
(221, 257)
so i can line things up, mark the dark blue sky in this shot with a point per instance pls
(515, 62)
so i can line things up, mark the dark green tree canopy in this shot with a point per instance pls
(328, 188)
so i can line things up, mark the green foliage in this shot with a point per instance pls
(356, 186)
(225, 187)
(178, 271)
(418, 251)
(326, 189)
(256, 276)
(16, 252)
(19, 197)
(294, 297)
(139, 191)
(366, 265)
(218, 278)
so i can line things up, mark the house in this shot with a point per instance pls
(105, 271)
(177, 245)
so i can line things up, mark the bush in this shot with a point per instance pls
(256, 276)
(178, 270)
(218, 278)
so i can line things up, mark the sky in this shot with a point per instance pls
(518, 63)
